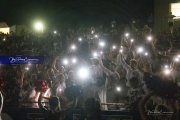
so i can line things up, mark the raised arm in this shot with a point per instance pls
(64, 112)
(107, 71)
(39, 101)
(141, 105)
(2, 99)
(123, 63)
(22, 77)
(54, 65)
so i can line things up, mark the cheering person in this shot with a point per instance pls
(55, 113)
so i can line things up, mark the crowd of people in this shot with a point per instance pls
(125, 68)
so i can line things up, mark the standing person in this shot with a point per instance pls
(170, 21)
(59, 70)
(111, 83)
(55, 112)
(93, 107)
(131, 70)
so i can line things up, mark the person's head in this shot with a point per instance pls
(112, 67)
(133, 63)
(92, 105)
(54, 103)
(60, 78)
(49, 83)
(148, 67)
(61, 69)
(170, 13)
(95, 61)
(25, 82)
(50, 72)
(105, 56)
(134, 82)
(39, 67)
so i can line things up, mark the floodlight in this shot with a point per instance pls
(39, 26)
(83, 73)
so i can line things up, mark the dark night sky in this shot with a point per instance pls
(73, 13)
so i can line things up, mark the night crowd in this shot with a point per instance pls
(126, 68)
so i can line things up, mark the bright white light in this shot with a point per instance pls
(92, 32)
(55, 32)
(146, 54)
(114, 47)
(149, 38)
(101, 52)
(118, 89)
(39, 26)
(96, 36)
(83, 73)
(167, 71)
(80, 39)
(132, 40)
(127, 34)
(27, 68)
(140, 49)
(102, 44)
(176, 59)
(179, 56)
(74, 60)
(166, 66)
(4, 39)
(175, 9)
(65, 62)
(95, 54)
(121, 50)
(73, 47)
(60, 90)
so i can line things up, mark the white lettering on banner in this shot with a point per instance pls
(25, 60)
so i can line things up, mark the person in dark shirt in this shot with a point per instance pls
(55, 113)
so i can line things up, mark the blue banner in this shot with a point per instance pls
(22, 59)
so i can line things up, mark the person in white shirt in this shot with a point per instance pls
(97, 70)
(112, 80)
(132, 70)
(171, 21)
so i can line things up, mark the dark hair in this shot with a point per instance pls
(134, 79)
(133, 61)
(113, 64)
(96, 61)
(164, 89)
(54, 102)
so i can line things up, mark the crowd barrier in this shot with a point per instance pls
(35, 114)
